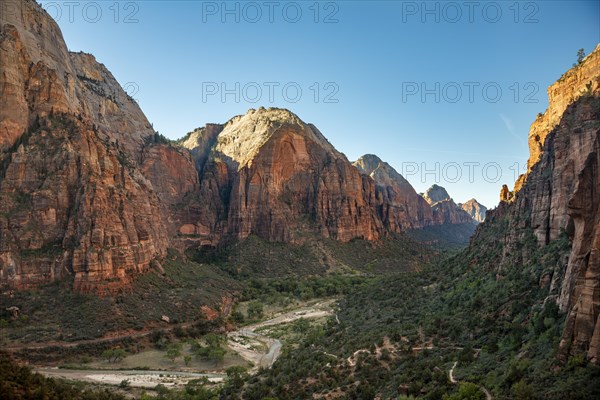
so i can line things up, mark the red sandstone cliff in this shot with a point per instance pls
(73, 198)
(445, 210)
(561, 193)
(268, 173)
(89, 191)
(402, 208)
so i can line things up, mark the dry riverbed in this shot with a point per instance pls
(257, 348)
(135, 378)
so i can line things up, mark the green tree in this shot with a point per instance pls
(580, 57)
(213, 349)
(107, 355)
(236, 376)
(467, 391)
(173, 351)
(255, 310)
(237, 317)
(301, 325)
(216, 354)
(114, 355)
(523, 391)
(119, 355)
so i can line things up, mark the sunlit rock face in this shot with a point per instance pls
(475, 209)
(269, 174)
(435, 194)
(445, 210)
(581, 80)
(73, 198)
(402, 207)
(561, 193)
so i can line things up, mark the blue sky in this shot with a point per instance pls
(443, 91)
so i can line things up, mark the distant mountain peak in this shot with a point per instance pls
(436, 194)
(369, 162)
(380, 171)
(475, 209)
(241, 138)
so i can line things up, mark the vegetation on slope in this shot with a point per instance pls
(257, 258)
(444, 237)
(55, 312)
(401, 335)
(486, 313)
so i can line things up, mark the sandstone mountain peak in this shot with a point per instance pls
(403, 207)
(475, 209)
(368, 162)
(444, 208)
(379, 170)
(435, 194)
(270, 174)
(241, 138)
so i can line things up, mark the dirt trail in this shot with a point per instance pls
(110, 337)
(451, 373)
(488, 395)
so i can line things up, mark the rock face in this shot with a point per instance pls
(581, 80)
(269, 174)
(173, 176)
(402, 207)
(40, 75)
(561, 193)
(89, 191)
(73, 198)
(436, 193)
(445, 210)
(474, 209)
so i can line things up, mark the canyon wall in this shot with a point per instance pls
(560, 195)
(74, 201)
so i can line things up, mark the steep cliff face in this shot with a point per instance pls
(561, 194)
(90, 191)
(580, 80)
(40, 75)
(74, 200)
(74, 204)
(402, 207)
(173, 176)
(268, 173)
(475, 209)
(448, 212)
